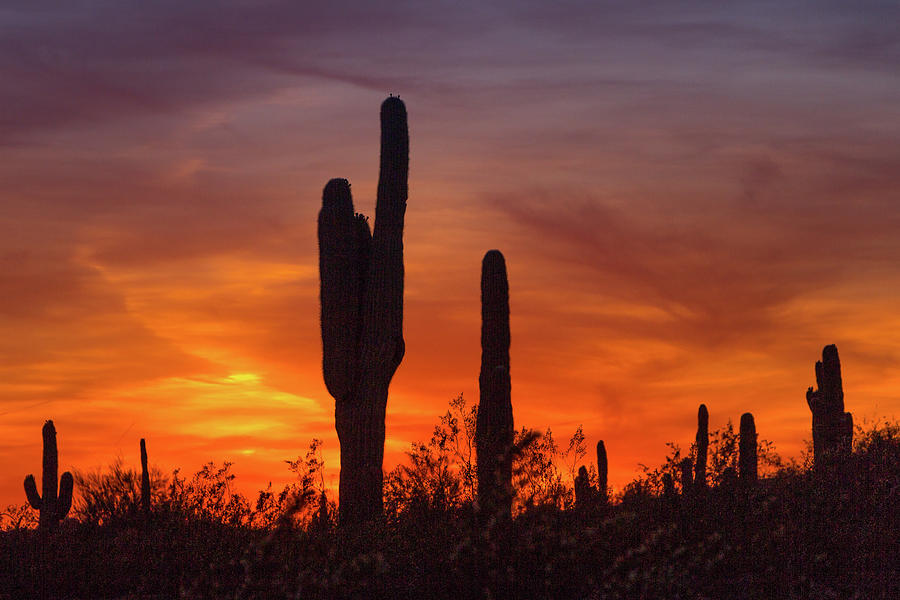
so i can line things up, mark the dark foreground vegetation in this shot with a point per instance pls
(797, 532)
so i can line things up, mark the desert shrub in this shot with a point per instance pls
(207, 496)
(300, 503)
(537, 478)
(18, 516)
(797, 533)
(113, 497)
(440, 476)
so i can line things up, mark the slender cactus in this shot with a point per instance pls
(584, 493)
(362, 315)
(832, 428)
(494, 423)
(668, 487)
(687, 476)
(747, 449)
(728, 482)
(145, 481)
(602, 473)
(702, 447)
(53, 506)
(320, 520)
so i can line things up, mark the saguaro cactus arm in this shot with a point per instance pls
(64, 501)
(34, 498)
(382, 333)
(343, 253)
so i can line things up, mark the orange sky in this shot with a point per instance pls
(691, 205)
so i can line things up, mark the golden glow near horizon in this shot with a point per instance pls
(245, 403)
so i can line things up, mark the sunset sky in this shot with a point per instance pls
(693, 198)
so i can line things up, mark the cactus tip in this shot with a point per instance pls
(393, 105)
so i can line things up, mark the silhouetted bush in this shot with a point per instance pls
(798, 533)
(113, 498)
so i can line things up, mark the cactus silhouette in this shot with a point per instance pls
(702, 447)
(602, 473)
(145, 481)
(52, 507)
(832, 428)
(747, 449)
(361, 298)
(494, 423)
(584, 493)
(687, 475)
(668, 486)
(728, 480)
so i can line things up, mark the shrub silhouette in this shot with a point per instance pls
(779, 538)
(115, 497)
(361, 297)
(16, 517)
(798, 532)
(537, 479)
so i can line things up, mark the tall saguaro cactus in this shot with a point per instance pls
(53, 506)
(494, 424)
(686, 471)
(832, 428)
(747, 449)
(602, 473)
(362, 315)
(702, 447)
(145, 481)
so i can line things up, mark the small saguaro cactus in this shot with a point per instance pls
(494, 423)
(584, 493)
(702, 447)
(52, 506)
(747, 449)
(832, 428)
(728, 481)
(361, 298)
(145, 481)
(602, 473)
(668, 486)
(321, 520)
(687, 476)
